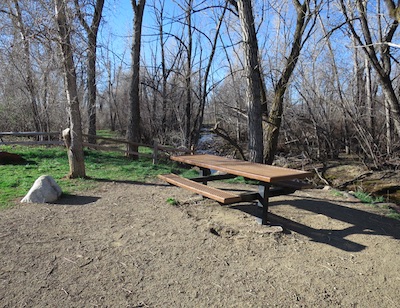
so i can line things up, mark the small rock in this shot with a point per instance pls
(215, 232)
(44, 190)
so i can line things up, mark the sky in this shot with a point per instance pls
(117, 29)
(118, 16)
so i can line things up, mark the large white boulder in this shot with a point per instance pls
(44, 190)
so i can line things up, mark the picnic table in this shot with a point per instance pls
(271, 180)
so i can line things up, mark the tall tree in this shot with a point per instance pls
(18, 21)
(73, 135)
(188, 75)
(133, 131)
(91, 32)
(165, 71)
(274, 121)
(255, 94)
(377, 46)
(253, 80)
(204, 87)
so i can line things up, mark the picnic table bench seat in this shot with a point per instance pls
(216, 194)
(226, 197)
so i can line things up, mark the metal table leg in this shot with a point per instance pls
(264, 192)
(205, 172)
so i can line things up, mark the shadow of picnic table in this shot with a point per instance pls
(360, 221)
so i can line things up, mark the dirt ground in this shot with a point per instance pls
(123, 245)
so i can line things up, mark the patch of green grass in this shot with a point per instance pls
(145, 150)
(389, 211)
(172, 201)
(371, 200)
(368, 198)
(188, 173)
(336, 193)
(108, 133)
(393, 214)
(241, 180)
(16, 180)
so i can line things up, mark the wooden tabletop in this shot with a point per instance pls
(260, 172)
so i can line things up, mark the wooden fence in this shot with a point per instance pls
(108, 144)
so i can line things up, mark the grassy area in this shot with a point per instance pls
(108, 133)
(371, 200)
(368, 198)
(16, 180)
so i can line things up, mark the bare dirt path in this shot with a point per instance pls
(122, 245)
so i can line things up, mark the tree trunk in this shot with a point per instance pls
(188, 77)
(388, 129)
(91, 32)
(75, 150)
(133, 131)
(165, 73)
(272, 126)
(91, 85)
(392, 101)
(369, 98)
(91, 78)
(253, 89)
(275, 115)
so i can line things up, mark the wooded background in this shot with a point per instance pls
(312, 78)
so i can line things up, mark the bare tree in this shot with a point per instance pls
(133, 131)
(17, 18)
(304, 17)
(73, 135)
(379, 51)
(256, 93)
(165, 71)
(30, 68)
(188, 76)
(254, 83)
(91, 32)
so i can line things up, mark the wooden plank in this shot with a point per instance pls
(118, 140)
(32, 143)
(216, 194)
(172, 149)
(26, 134)
(255, 171)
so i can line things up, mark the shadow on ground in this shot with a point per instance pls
(71, 199)
(101, 180)
(361, 222)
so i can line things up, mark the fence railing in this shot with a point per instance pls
(110, 144)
